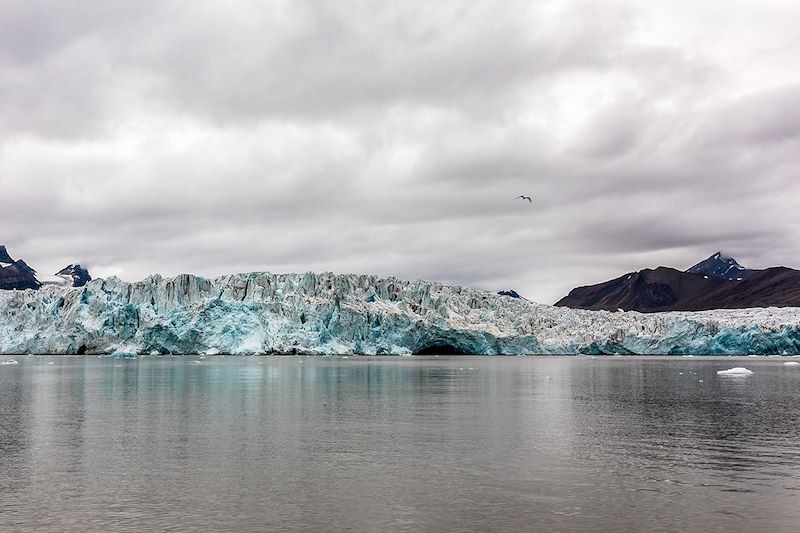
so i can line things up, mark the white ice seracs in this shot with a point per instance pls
(357, 314)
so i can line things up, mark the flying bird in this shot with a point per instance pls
(524, 198)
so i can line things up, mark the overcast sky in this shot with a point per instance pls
(393, 137)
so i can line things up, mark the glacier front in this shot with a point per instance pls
(264, 313)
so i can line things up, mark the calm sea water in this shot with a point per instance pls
(394, 444)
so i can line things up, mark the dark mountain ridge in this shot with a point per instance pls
(4, 257)
(721, 266)
(75, 274)
(19, 276)
(718, 282)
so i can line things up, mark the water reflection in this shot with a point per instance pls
(393, 444)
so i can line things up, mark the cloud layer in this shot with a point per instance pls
(363, 136)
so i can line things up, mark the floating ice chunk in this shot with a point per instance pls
(791, 363)
(51, 363)
(9, 362)
(737, 371)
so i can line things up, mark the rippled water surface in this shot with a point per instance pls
(417, 444)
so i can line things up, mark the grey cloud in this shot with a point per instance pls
(294, 60)
(35, 31)
(768, 117)
(387, 138)
(616, 130)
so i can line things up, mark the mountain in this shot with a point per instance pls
(5, 259)
(721, 266)
(511, 293)
(325, 313)
(73, 275)
(80, 275)
(718, 282)
(19, 276)
(16, 274)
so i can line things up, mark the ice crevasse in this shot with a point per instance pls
(261, 313)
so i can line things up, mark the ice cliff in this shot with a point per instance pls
(357, 314)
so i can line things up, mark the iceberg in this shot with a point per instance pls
(737, 371)
(791, 363)
(326, 314)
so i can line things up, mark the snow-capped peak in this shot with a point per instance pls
(721, 266)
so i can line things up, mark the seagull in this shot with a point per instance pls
(524, 198)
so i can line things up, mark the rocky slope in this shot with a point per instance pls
(5, 259)
(721, 266)
(716, 283)
(70, 276)
(356, 314)
(17, 275)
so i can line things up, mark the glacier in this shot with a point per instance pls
(325, 314)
